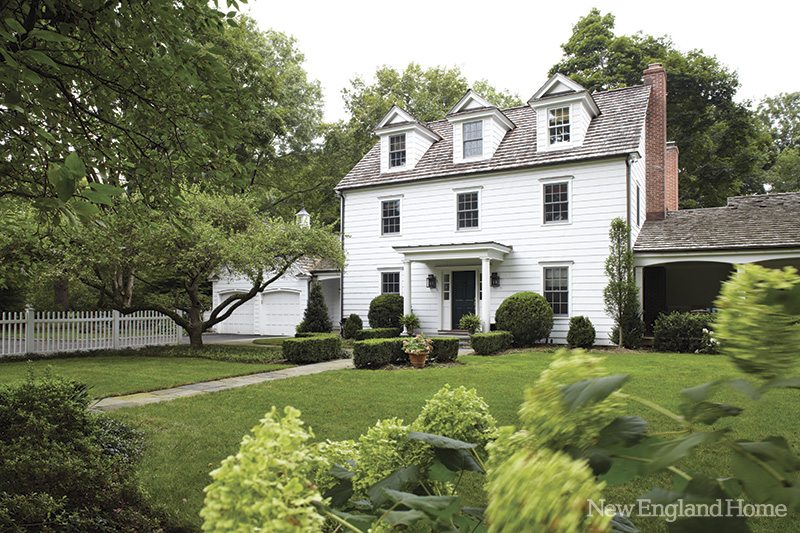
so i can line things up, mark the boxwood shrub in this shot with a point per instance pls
(376, 353)
(528, 317)
(385, 311)
(445, 349)
(306, 334)
(313, 349)
(378, 333)
(581, 332)
(491, 342)
(352, 326)
(680, 332)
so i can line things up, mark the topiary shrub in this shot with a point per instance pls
(314, 349)
(377, 353)
(315, 318)
(352, 325)
(445, 349)
(459, 414)
(491, 342)
(581, 332)
(63, 468)
(527, 315)
(378, 333)
(470, 322)
(634, 332)
(680, 332)
(268, 485)
(385, 311)
(758, 323)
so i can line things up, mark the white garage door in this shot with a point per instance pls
(240, 322)
(280, 312)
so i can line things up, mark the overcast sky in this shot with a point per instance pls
(513, 44)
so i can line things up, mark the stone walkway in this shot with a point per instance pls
(164, 395)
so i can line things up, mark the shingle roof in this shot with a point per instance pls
(747, 222)
(616, 131)
(307, 266)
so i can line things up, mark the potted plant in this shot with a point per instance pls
(418, 349)
(470, 322)
(410, 322)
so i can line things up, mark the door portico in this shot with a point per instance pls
(453, 259)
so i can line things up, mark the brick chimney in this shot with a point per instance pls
(671, 177)
(655, 142)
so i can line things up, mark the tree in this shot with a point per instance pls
(723, 148)
(781, 116)
(315, 318)
(621, 296)
(145, 259)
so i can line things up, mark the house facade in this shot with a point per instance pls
(458, 214)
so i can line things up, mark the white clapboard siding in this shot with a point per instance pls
(73, 331)
(511, 213)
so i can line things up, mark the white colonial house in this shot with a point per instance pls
(460, 213)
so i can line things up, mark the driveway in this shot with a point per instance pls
(224, 338)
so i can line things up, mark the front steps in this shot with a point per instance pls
(461, 334)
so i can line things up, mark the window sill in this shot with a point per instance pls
(390, 235)
(466, 230)
(563, 223)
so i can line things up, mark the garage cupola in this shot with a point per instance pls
(302, 218)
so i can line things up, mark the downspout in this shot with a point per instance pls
(632, 158)
(341, 274)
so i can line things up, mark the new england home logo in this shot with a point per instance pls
(679, 509)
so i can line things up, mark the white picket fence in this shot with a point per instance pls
(72, 331)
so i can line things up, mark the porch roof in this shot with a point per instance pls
(455, 251)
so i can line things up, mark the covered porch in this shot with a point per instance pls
(461, 274)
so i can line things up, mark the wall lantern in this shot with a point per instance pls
(495, 279)
(430, 281)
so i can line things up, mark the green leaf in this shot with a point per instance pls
(700, 392)
(40, 57)
(64, 186)
(50, 36)
(14, 25)
(458, 460)
(75, 165)
(84, 209)
(96, 197)
(404, 518)
(667, 453)
(439, 472)
(360, 521)
(438, 441)
(437, 507)
(626, 430)
(591, 391)
(406, 478)
(710, 412)
(622, 524)
(773, 449)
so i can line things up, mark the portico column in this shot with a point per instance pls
(407, 287)
(486, 289)
(638, 276)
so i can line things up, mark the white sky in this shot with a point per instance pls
(512, 44)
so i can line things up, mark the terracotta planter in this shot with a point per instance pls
(418, 359)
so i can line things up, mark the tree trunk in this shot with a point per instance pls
(61, 293)
(196, 327)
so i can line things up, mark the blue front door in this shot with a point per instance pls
(463, 300)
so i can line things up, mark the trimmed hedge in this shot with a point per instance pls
(581, 332)
(306, 334)
(313, 349)
(352, 326)
(378, 333)
(680, 332)
(445, 349)
(527, 315)
(377, 353)
(492, 342)
(385, 311)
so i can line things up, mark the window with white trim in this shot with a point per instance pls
(473, 138)
(446, 287)
(397, 150)
(467, 209)
(556, 289)
(556, 202)
(390, 216)
(558, 125)
(390, 282)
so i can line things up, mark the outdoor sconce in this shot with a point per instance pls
(495, 279)
(430, 281)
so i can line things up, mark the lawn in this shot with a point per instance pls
(188, 437)
(125, 372)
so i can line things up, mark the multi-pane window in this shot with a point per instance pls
(390, 216)
(467, 210)
(390, 282)
(397, 150)
(556, 289)
(473, 139)
(556, 202)
(558, 125)
(446, 287)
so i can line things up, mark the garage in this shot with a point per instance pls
(241, 321)
(280, 312)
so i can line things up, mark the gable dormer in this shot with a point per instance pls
(404, 140)
(564, 110)
(478, 128)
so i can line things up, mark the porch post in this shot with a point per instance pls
(638, 276)
(407, 288)
(486, 289)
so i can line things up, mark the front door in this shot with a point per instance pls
(463, 300)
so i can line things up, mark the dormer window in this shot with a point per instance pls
(473, 139)
(558, 125)
(397, 150)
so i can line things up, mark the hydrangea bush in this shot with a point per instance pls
(459, 414)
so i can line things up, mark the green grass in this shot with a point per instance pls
(112, 375)
(188, 437)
